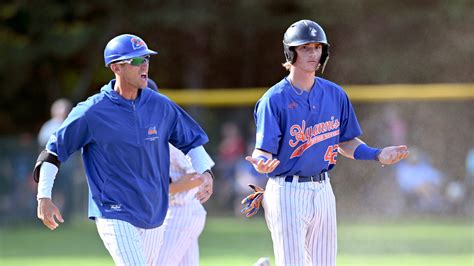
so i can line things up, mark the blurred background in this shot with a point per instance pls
(52, 58)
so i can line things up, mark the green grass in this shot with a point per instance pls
(239, 241)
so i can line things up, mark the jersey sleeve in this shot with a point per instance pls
(180, 161)
(268, 132)
(186, 133)
(350, 128)
(71, 136)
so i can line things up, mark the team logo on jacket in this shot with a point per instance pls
(137, 43)
(292, 105)
(152, 134)
(305, 137)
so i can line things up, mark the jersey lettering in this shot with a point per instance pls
(312, 135)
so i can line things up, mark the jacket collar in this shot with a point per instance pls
(108, 90)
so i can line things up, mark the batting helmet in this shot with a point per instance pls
(124, 47)
(303, 32)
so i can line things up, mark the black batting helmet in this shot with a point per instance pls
(303, 32)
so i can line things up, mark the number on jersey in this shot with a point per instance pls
(331, 154)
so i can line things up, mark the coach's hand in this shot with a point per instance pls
(205, 190)
(393, 154)
(48, 213)
(261, 166)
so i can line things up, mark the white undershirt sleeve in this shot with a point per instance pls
(47, 175)
(200, 159)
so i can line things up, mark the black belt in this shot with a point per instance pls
(315, 178)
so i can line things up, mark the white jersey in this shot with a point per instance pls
(180, 165)
(184, 220)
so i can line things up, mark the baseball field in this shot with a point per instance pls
(239, 241)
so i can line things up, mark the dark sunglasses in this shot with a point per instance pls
(136, 61)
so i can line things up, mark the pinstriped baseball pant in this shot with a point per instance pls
(182, 226)
(128, 244)
(301, 218)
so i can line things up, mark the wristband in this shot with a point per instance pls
(200, 159)
(47, 174)
(265, 159)
(364, 152)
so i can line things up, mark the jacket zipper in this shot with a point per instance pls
(137, 131)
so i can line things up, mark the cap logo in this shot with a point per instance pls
(313, 32)
(137, 43)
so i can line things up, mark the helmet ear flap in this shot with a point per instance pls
(324, 57)
(290, 54)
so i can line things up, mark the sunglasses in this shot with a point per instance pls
(136, 61)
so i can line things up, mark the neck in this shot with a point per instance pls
(302, 80)
(124, 89)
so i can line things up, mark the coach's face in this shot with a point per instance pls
(308, 57)
(132, 75)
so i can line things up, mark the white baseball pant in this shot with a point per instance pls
(301, 218)
(182, 226)
(128, 244)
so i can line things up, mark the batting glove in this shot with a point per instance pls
(252, 201)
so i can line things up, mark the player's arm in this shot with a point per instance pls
(186, 182)
(358, 150)
(348, 148)
(263, 161)
(268, 135)
(203, 163)
(46, 168)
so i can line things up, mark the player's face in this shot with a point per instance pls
(135, 73)
(308, 56)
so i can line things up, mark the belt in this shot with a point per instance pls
(315, 178)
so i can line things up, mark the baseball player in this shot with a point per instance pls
(186, 216)
(303, 122)
(123, 132)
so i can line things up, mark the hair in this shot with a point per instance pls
(287, 65)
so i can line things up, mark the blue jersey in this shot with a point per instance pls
(125, 150)
(303, 129)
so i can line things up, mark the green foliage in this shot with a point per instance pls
(221, 44)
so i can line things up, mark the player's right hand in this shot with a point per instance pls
(261, 166)
(48, 213)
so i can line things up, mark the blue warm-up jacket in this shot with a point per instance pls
(125, 151)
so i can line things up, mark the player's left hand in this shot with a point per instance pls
(393, 154)
(205, 190)
(253, 201)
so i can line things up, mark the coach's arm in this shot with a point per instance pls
(44, 173)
